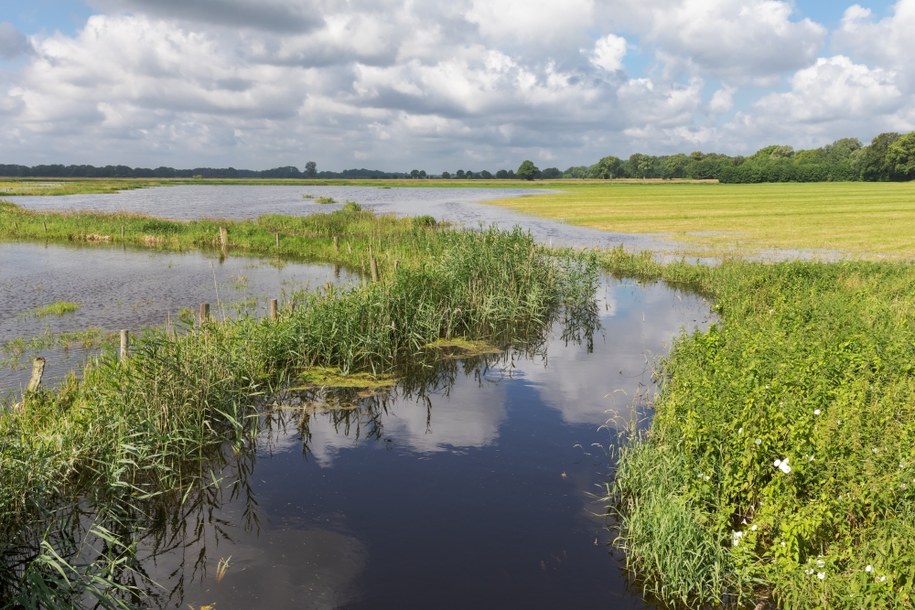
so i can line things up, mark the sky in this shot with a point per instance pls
(398, 85)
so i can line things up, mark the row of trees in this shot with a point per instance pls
(889, 157)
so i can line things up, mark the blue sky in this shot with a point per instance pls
(469, 84)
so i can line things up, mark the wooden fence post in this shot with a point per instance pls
(125, 345)
(37, 372)
(204, 313)
(273, 305)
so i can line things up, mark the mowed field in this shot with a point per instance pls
(863, 219)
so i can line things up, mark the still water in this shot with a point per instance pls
(124, 289)
(480, 490)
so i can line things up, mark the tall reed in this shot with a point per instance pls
(129, 433)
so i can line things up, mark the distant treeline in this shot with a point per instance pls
(123, 171)
(889, 157)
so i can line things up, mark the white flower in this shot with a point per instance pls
(782, 465)
(821, 575)
(758, 442)
(868, 568)
(740, 430)
(881, 579)
(753, 528)
(820, 563)
(706, 477)
(816, 411)
(809, 458)
(735, 538)
(808, 572)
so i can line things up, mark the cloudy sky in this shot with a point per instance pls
(423, 84)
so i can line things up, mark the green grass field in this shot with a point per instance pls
(863, 219)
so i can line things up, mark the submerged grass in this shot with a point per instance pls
(136, 432)
(58, 308)
(780, 463)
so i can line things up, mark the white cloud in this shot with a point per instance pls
(742, 40)
(887, 42)
(722, 100)
(410, 83)
(539, 26)
(609, 52)
(833, 89)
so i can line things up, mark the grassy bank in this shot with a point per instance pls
(130, 436)
(872, 220)
(780, 463)
(349, 236)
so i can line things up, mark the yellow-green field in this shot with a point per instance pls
(864, 219)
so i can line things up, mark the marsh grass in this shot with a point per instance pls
(132, 433)
(810, 364)
(58, 308)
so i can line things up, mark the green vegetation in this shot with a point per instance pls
(58, 308)
(132, 441)
(872, 220)
(780, 463)
(347, 236)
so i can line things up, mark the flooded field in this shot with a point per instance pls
(116, 289)
(477, 486)
(460, 206)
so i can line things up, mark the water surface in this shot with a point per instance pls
(480, 491)
(119, 288)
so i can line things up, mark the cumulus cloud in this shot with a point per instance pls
(834, 96)
(885, 42)
(737, 39)
(609, 52)
(397, 84)
(834, 89)
(13, 43)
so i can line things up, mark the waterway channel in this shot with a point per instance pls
(480, 490)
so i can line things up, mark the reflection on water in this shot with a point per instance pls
(129, 289)
(474, 487)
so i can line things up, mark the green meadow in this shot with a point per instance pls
(873, 220)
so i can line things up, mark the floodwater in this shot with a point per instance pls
(460, 206)
(477, 490)
(116, 289)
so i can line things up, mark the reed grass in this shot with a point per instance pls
(128, 434)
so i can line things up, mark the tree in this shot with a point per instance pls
(311, 169)
(527, 170)
(446, 175)
(873, 163)
(901, 157)
(551, 173)
(486, 174)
